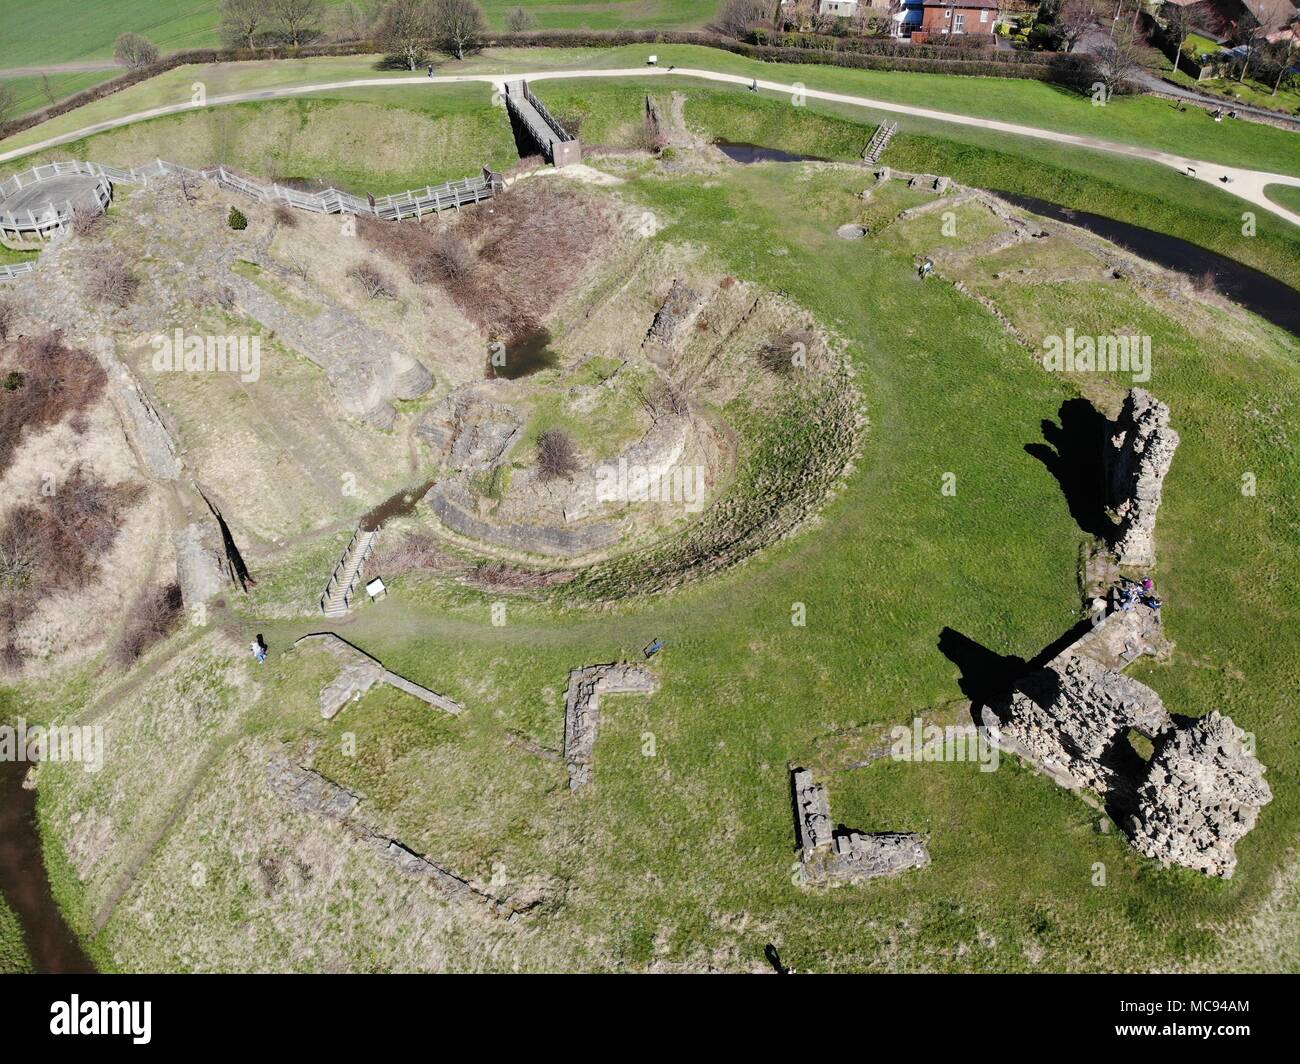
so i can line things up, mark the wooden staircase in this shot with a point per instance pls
(337, 598)
(879, 142)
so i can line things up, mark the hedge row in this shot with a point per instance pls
(920, 58)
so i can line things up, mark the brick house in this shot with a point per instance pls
(939, 18)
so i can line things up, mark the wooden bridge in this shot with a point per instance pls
(530, 115)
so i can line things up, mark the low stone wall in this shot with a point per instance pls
(582, 710)
(830, 857)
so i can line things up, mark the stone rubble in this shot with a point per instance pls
(1143, 448)
(1203, 787)
(828, 856)
(1203, 793)
(582, 710)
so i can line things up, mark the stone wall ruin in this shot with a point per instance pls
(829, 856)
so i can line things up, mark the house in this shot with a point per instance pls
(938, 18)
(958, 16)
(838, 8)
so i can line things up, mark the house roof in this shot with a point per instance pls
(1272, 14)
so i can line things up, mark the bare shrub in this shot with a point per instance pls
(372, 281)
(557, 455)
(509, 260)
(1205, 283)
(520, 21)
(75, 526)
(285, 215)
(295, 266)
(665, 397)
(415, 552)
(152, 616)
(785, 352)
(134, 51)
(112, 282)
(8, 316)
(737, 16)
(58, 382)
(87, 220)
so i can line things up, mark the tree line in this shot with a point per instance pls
(408, 32)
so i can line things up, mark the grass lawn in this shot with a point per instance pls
(13, 950)
(1287, 195)
(1136, 120)
(35, 92)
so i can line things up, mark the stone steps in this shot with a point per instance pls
(336, 600)
(879, 142)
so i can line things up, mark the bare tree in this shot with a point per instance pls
(557, 455)
(737, 16)
(1275, 60)
(520, 21)
(1117, 60)
(296, 22)
(1074, 21)
(458, 26)
(243, 22)
(8, 102)
(87, 220)
(350, 22)
(1248, 33)
(1177, 26)
(405, 30)
(134, 51)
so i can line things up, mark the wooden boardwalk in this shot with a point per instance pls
(559, 146)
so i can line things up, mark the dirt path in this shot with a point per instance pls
(1245, 184)
(86, 66)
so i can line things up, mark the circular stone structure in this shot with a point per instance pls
(32, 207)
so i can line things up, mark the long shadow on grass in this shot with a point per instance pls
(1073, 454)
(986, 676)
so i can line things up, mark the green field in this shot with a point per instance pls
(1287, 195)
(61, 31)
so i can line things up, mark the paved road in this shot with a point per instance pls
(1152, 83)
(1245, 184)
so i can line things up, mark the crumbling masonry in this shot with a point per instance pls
(1142, 451)
(582, 710)
(829, 856)
(1189, 805)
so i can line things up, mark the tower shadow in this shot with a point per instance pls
(1074, 452)
(986, 676)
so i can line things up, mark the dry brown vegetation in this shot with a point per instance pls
(8, 315)
(372, 281)
(110, 281)
(416, 552)
(154, 615)
(58, 382)
(509, 260)
(557, 455)
(285, 215)
(86, 220)
(56, 545)
(781, 354)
